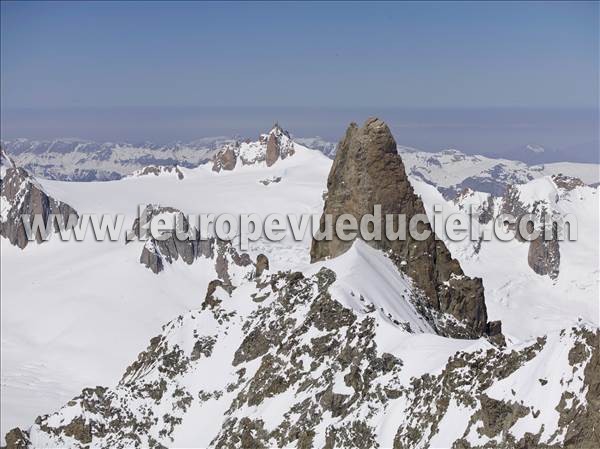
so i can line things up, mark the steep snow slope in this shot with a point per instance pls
(368, 280)
(529, 304)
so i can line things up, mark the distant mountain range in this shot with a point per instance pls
(84, 160)
(450, 170)
(540, 154)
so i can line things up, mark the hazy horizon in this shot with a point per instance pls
(485, 78)
(487, 131)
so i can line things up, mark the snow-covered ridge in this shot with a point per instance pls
(81, 160)
(270, 147)
(450, 170)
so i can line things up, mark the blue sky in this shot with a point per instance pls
(299, 54)
(368, 56)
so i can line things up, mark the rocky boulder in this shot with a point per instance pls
(226, 158)
(262, 265)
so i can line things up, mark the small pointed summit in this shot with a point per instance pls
(275, 145)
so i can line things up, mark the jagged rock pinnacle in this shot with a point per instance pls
(368, 171)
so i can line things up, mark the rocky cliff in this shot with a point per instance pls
(368, 171)
(157, 252)
(21, 195)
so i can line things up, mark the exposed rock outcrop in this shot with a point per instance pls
(316, 370)
(271, 180)
(21, 195)
(169, 248)
(17, 439)
(262, 265)
(544, 256)
(158, 170)
(156, 253)
(271, 147)
(368, 171)
(226, 158)
(279, 145)
(567, 183)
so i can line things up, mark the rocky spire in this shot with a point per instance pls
(368, 171)
(21, 195)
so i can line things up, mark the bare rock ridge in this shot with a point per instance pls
(157, 253)
(368, 171)
(277, 144)
(23, 195)
(543, 256)
(158, 170)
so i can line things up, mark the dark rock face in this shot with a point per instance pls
(157, 170)
(368, 171)
(262, 264)
(17, 439)
(544, 257)
(226, 158)
(157, 253)
(567, 183)
(511, 203)
(273, 150)
(270, 148)
(23, 195)
(278, 145)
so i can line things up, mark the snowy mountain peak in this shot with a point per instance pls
(278, 130)
(276, 145)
